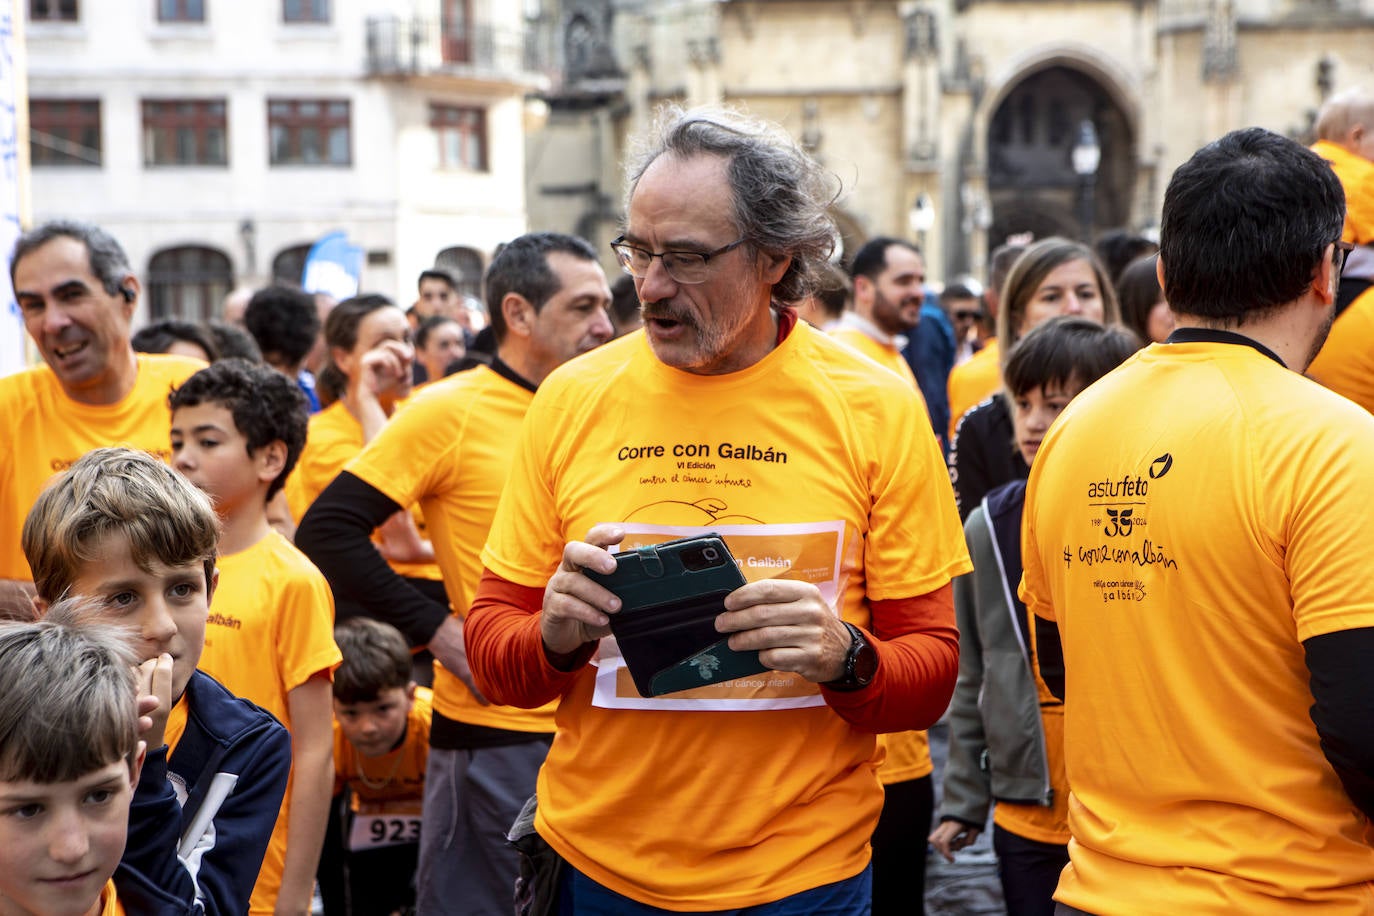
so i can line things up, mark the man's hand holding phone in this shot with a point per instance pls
(791, 627)
(576, 610)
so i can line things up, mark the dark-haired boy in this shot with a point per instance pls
(285, 322)
(381, 745)
(237, 430)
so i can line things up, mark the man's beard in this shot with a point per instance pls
(888, 316)
(1320, 340)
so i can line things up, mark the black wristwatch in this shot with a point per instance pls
(860, 663)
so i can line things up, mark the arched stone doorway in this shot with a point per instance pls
(1032, 185)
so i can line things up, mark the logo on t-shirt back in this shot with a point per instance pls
(1161, 465)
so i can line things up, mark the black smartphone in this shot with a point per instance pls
(671, 594)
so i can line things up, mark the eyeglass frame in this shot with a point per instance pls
(1344, 248)
(618, 243)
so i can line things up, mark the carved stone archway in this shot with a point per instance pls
(1032, 185)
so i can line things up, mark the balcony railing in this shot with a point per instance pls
(399, 46)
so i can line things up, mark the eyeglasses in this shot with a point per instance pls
(1340, 250)
(682, 266)
(968, 316)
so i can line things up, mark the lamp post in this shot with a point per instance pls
(921, 219)
(248, 232)
(1087, 156)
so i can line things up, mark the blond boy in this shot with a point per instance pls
(237, 430)
(123, 529)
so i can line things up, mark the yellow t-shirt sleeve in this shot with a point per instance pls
(913, 504)
(305, 631)
(1329, 592)
(522, 547)
(1032, 589)
(405, 459)
(1359, 210)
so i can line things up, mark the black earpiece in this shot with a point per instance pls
(127, 293)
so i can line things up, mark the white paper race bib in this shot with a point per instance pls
(387, 828)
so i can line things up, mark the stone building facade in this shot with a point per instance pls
(952, 122)
(217, 139)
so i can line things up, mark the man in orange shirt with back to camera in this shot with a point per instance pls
(1188, 525)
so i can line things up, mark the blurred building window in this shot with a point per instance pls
(53, 10)
(310, 131)
(289, 265)
(188, 282)
(64, 132)
(185, 132)
(455, 22)
(465, 266)
(305, 10)
(462, 136)
(181, 10)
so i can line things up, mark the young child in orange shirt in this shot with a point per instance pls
(381, 745)
(237, 430)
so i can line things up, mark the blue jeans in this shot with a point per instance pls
(579, 895)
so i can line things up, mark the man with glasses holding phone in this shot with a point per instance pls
(1188, 524)
(818, 469)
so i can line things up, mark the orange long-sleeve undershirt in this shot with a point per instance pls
(915, 638)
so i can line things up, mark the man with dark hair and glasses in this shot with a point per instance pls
(964, 306)
(724, 414)
(1188, 522)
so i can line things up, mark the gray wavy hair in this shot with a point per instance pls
(109, 263)
(781, 195)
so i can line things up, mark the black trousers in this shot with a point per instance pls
(899, 848)
(377, 882)
(1029, 871)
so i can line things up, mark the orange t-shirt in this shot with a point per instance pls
(1186, 550)
(885, 355)
(109, 901)
(334, 439)
(1357, 179)
(1346, 361)
(271, 629)
(449, 452)
(813, 463)
(906, 754)
(973, 381)
(1037, 822)
(44, 432)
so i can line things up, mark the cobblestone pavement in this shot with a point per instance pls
(969, 886)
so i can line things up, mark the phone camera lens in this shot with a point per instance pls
(711, 554)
